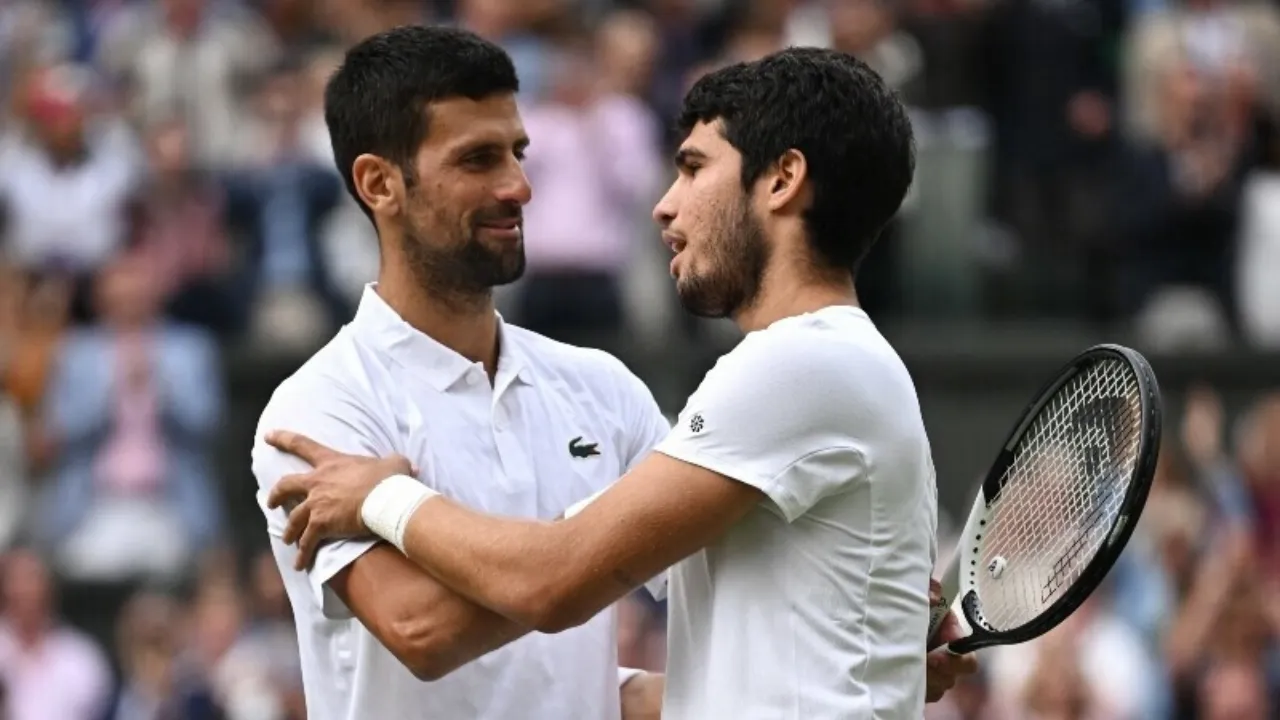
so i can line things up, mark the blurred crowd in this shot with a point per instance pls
(167, 194)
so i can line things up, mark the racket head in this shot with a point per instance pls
(1128, 405)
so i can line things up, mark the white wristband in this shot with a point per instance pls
(387, 509)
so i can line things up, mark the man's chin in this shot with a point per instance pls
(511, 277)
(510, 269)
(497, 264)
(701, 305)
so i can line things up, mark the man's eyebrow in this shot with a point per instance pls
(686, 155)
(519, 146)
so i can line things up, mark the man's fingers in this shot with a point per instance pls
(290, 488)
(949, 630)
(307, 547)
(299, 519)
(300, 446)
(966, 664)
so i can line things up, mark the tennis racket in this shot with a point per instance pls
(1060, 501)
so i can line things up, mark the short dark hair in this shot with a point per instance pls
(833, 108)
(376, 102)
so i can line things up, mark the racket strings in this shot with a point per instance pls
(1061, 495)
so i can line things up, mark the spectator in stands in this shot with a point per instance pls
(1057, 688)
(42, 312)
(64, 182)
(156, 683)
(1260, 465)
(189, 58)
(1051, 90)
(270, 638)
(132, 409)
(1197, 75)
(32, 33)
(596, 165)
(1235, 691)
(350, 21)
(1118, 677)
(516, 26)
(249, 654)
(1258, 263)
(1182, 207)
(294, 23)
(179, 227)
(48, 670)
(280, 193)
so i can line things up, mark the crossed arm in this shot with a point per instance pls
(430, 629)
(549, 576)
(554, 576)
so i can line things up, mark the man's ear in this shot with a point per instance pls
(786, 179)
(379, 183)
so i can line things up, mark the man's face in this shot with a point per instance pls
(126, 294)
(27, 592)
(709, 223)
(462, 219)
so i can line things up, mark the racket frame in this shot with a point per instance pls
(959, 578)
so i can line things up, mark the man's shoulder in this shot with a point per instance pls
(330, 399)
(335, 377)
(839, 366)
(834, 342)
(557, 360)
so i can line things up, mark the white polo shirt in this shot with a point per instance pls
(381, 387)
(815, 606)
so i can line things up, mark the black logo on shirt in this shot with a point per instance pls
(695, 422)
(580, 450)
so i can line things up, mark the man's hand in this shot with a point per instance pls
(943, 668)
(642, 697)
(328, 499)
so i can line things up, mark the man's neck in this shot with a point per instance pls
(468, 326)
(31, 634)
(785, 295)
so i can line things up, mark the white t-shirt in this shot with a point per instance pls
(380, 387)
(815, 606)
(70, 216)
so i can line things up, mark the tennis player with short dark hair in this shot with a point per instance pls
(426, 134)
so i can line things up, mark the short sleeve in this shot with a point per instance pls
(779, 414)
(332, 417)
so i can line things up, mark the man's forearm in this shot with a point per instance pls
(516, 568)
(428, 627)
(470, 631)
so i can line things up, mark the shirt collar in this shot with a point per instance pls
(383, 328)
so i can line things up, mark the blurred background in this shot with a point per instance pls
(174, 241)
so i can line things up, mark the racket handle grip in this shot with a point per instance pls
(936, 615)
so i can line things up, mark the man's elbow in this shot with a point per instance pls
(425, 649)
(430, 669)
